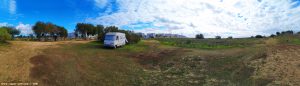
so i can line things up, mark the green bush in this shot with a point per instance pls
(4, 35)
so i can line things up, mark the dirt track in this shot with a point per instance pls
(282, 65)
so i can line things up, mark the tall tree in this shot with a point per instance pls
(39, 29)
(47, 30)
(111, 29)
(84, 29)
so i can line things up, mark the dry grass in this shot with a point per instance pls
(281, 65)
(15, 59)
(85, 63)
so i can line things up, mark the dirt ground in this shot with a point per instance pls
(282, 65)
(15, 59)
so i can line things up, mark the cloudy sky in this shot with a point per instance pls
(237, 18)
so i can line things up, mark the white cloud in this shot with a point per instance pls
(25, 29)
(238, 18)
(12, 6)
(8, 6)
(101, 3)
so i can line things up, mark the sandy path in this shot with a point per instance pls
(14, 60)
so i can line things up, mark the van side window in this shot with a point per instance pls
(117, 38)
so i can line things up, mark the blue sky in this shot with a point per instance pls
(237, 18)
(61, 12)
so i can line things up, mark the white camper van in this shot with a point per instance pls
(115, 39)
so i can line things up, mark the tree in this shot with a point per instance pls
(218, 37)
(4, 35)
(272, 35)
(230, 37)
(278, 33)
(99, 29)
(259, 36)
(111, 29)
(62, 32)
(12, 31)
(289, 32)
(85, 30)
(130, 35)
(49, 30)
(39, 29)
(199, 36)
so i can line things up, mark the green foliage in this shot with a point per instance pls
(289, 32)
(4, 35)
(272, 35)
(289, 39)
(199, 36)
(85, 29)
(259, 36)
(45, 30)
(218, 37)
(131, 37)
(12, 31)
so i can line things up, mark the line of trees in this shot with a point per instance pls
(49, 31)
(84, 30)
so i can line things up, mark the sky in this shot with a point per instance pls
(237, 18)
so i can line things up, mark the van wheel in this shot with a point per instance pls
(115, 46)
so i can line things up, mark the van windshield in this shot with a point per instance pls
(109, 37)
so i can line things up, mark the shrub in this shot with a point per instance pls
(199, 36)
(4, 35)
(230, 37)
(218, 37)
(132, 37)
(259, 36)
(272, 35)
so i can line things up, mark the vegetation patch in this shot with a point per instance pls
(211, 44)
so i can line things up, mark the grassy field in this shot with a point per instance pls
(166, 62)
(211, 43)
